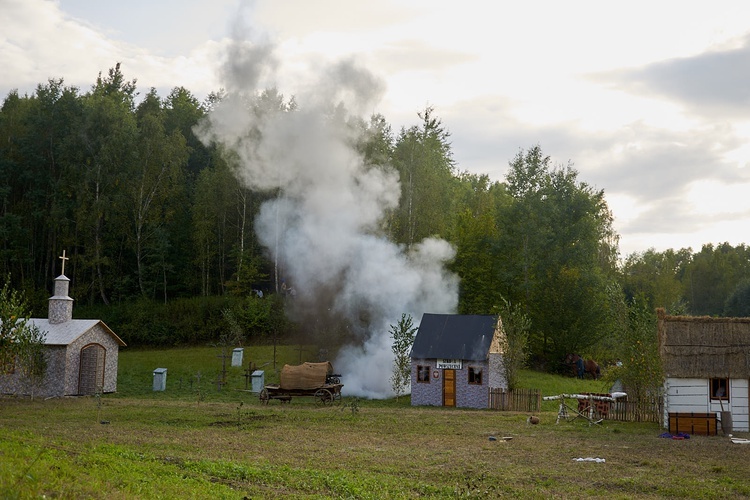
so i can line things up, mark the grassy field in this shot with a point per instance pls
(194, 441)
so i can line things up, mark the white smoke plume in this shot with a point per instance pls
(323, 227)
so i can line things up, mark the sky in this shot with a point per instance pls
(648, 101)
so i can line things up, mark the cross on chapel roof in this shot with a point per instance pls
(63, 258)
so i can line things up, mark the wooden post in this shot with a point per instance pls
(223, 375)
(248, 374)
(300, 349)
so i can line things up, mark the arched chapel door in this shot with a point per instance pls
(91, 369)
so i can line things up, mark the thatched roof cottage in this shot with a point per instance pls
(706, 364)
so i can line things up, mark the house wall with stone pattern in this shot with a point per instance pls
(51, 386)
(96, 335)
(467, 395)
(497, 371)
(63, 364)
(426, 393)
(472, 395)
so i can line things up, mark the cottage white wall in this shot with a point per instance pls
(739, 394)
(686, 395)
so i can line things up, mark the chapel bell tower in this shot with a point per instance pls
(60, 305)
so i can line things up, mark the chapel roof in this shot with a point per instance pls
(66, 333)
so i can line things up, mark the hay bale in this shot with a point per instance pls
(305, 376)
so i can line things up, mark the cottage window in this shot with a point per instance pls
(423, 374)
(475, 375)
(720, 388)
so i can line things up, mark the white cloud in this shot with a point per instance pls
(622, 91)
(712, 198)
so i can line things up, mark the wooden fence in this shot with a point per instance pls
(645, 410)
(530, 400)
(515, 400)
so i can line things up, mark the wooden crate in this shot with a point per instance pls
(703, 424)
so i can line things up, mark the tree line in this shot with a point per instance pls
(150, 215)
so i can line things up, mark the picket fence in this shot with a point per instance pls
(530, 400)
(516, 400)
(644, 410)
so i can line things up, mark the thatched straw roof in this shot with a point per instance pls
(704, 347)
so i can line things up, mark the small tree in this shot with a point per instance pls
(515, 342)
(12, 321)
(402, 335)
(32, 357)
(235, 335)
(21, 343)
(640, 369)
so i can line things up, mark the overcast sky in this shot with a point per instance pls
(649, 101)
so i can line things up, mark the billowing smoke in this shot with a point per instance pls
(323, 228)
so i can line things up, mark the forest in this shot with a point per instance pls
(159, 226)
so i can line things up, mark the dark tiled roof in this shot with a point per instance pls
(454, 336)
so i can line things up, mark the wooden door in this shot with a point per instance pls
(449, 387)
(91, 369)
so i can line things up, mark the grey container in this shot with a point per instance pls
(160, 379)
(237, 356)
(259, 380)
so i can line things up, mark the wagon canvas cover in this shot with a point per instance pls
(305, 376)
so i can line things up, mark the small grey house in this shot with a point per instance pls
(706, 366)
(456, 359)
(81, 353)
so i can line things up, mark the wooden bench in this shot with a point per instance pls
(703, 424)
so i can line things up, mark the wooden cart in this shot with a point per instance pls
(325, 394)
(315, 380)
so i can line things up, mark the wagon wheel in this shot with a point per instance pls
(263, 396)
(324, 396)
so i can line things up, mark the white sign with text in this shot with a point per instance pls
(450, 364)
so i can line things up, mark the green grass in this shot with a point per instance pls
(194, 372)
(552, 385)
(225, 444)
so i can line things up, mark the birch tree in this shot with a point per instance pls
(402, 334)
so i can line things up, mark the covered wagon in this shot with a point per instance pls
(308, 379)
